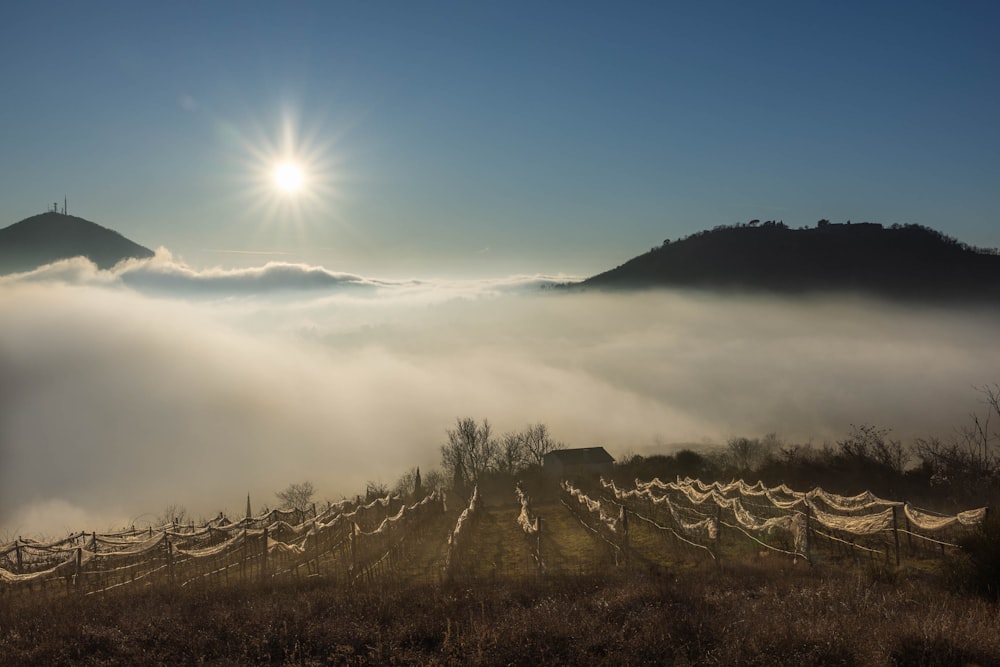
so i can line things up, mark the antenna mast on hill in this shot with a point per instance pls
(64, 204)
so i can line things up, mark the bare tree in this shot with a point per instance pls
(432, 480)
(868, 443)
(978, 440)
(538, 443)
(511, 453)
(375, 490)
(744, 454)
(409, 484)
(172, 514)
(297, 496)
(469, 452)
(970, 462)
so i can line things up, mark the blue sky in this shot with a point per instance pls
(465, 139)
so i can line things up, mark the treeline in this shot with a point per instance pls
(846, 227)
(949, 474)
(473, 452)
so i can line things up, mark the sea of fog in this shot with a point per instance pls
(155, 384)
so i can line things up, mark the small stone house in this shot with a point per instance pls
(583, 462)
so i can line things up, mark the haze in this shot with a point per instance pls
(442, 162)
(124, 395)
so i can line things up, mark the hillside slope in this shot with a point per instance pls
(902, 261)
(49, 237)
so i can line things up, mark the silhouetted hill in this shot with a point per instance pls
(908, 261)
(48, 237)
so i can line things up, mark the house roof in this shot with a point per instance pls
(582, 456)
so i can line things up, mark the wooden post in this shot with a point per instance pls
(623, 524)
(718, 531)
(316, 546)
(808, 542)
(263, 554)
(170, 559)
(538, 540)
(17, 551)
(79, 565)
(354, 548)
(895, 533)
(909, 536)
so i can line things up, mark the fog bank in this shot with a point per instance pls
(120, 395)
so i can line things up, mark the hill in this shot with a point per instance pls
(48, 237)
(904, 261)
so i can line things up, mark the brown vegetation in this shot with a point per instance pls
(749, 613)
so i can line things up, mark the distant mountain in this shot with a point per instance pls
(47, 237)
(902, 261)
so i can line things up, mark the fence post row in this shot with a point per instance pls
(370, 555)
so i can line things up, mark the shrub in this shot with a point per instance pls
(977, 568)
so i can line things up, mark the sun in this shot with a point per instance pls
(288, 177)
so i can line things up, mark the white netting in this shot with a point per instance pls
(707, 527)
(863, 502)
(859, 514)
(458, 537)
(593, 506)
(529, 524)
(104, 561)
(857, 525)
(218, 548)
(785, 509)
(66, 567)
(130, 548)
(465, 518)
(932, 522)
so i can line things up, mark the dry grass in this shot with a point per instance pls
(749, 614)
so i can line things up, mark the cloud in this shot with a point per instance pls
(118, 398)
(164, 274)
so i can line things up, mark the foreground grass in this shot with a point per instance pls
(749, 614)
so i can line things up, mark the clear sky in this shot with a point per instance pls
(474, 138)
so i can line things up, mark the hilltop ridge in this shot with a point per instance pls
(51, 236)
(901, 261)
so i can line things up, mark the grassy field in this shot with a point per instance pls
(668, 606)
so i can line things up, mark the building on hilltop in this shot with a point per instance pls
(583, 462)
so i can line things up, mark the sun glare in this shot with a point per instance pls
(288, 177)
